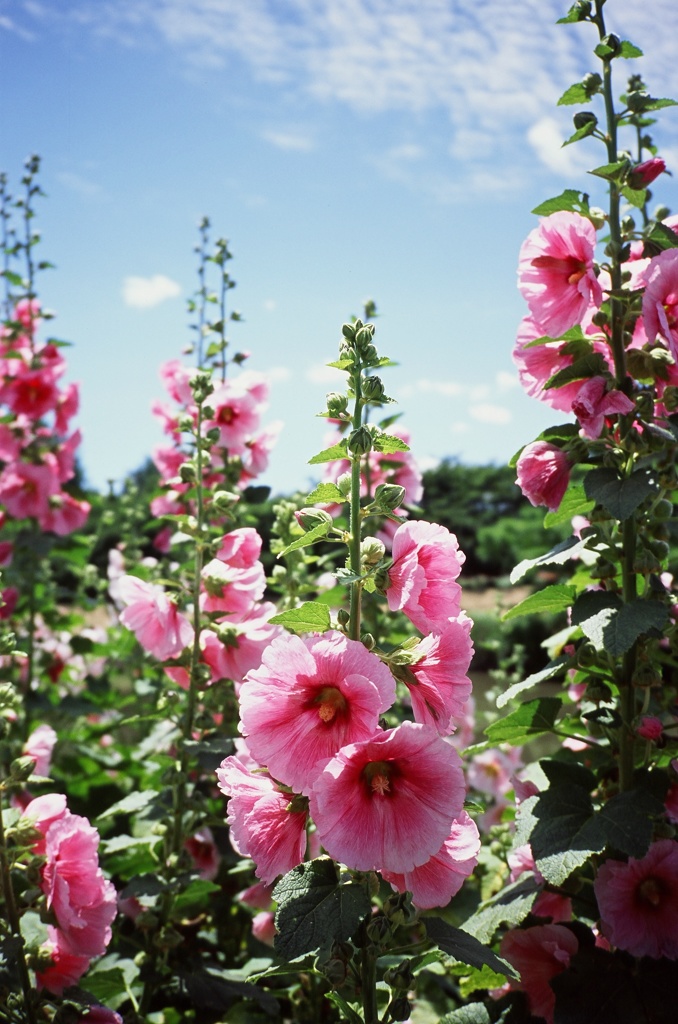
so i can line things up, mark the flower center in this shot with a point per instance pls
(379, 777)
(571, 268)
(330, 702)
(651, 890)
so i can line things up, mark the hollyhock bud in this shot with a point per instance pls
(644, 174)
(360, 441)
(650, 727)
(372, 389)
(543, 474)
(308, 518)
(389, 496)
(584, 117)
(336, 404)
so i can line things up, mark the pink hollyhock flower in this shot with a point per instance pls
(258, 449)
(153, 618)
(266, 824)
(644, 174)
(6, 553)
(25, 488)
(543, 474)
(240, 548)
(539, 954)
(426, 563)
(27, 313)
(660, 301)
(248, 637)
(66, 968)
(258, 896)
(385, 804)
(231, 590)
(33, 393)
(236, 415)
(593, 403)
(65, 514)
(671, 803)
(42, 811)
(437, 680)
(547, 904)
(83, 901)
(100, 1015)
(311, 696)
(434, 883)
(650, 727)
(40, 745)
(204, 854)
(65, 456)
(263, 927)
(555, 272)
(638, 901)
(67, 406)
(176, 378)
(492, 771)
(167, 461)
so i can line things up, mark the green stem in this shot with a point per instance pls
(354, 542)
(626, 690)
(13, 920)
(369, 985)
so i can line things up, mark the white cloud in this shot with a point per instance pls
(546, 137)
(506, 381)
(293, 141)
(459, 427)
(83, 186)
(319, 374)
(279, 374)
(270, 305)
(494, 415)
(145, 292)
(447, 388)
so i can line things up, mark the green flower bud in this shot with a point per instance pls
(223, 501)
(185, 423)
(368, 641)
(584, 117)
(598, 692)
(582, 8)
(212, 436)
(348, 331)
(597, 217)
(613, 43)
(208, 412)
(663, 509)
(336, 404)
(371, 551)
(400, 978)
(343, 617)
(310, 517)
(363, 337)
(370, 355)
(372, 389)
(360, 441)
(592, 83)
(381, 580)
(8, 696)
(379, 930)
(389, 496)
(187, 473)
(344, 484)
(22, 768)
(201, 385)
(661, 213)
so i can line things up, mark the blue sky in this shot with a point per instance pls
(389, 149)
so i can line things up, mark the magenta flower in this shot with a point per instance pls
(440, 687)
(248, 637)
(660, 301)
(267, 824)
(25, 488)
(426, 563)
(543, 473)
(638, 901)
(593, 403)
(539, 954)
(644, 174)
(153, 618)
(387, 804)
(555, 272)
(65, 968)
(650, 727)
(434, 883)
(310, 696)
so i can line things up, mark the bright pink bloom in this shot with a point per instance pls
(40, 745)
(442, 876)
(593, 403)
(537, 363)
(248, 637)
(539, 954)
(236, 415)
(65, 514)
(311, 696)
(43, 811)
(153, 618)
(176, 378)
(638, 901)
(27, 313)
(25, 488)
(263, 927)
(426, 563)
(650, 727)
(6, 553)
(235, 580)
(33, 393)
(644, 174)
(258, 449)
(266, 824)
(100, 1015)
(555, 272)
(8, 601)
(492, 771)
(240, 548)
(66, 968)
(660, 301)
(440, 687)
(386, 804)
(543, 473)
(66, 408)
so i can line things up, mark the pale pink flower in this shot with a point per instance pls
(266, 823)
(258, 449)
(258, 896)
(543, 474)
(555, 272)
(386, 804)
(66, 968)
(539, 954)
(153, 618)
(231, 590)
(176, 378)
(426, 563)
(42, 811)
(240, 548)
(65, 514)
(638, 901)
(310, 696)
(660, 301)
(67, 406)
(248, 637)
(594, 402)
(437, 680)
(491, 771)
(27, 313)
(236, 415)
(434, 883)
(263, 927)
(40, 745)
(538, 363)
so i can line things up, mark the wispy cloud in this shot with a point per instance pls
(320, 374)
(83, 186)
(294, 141)
(145, 292)
(496, 415)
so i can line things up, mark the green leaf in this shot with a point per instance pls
(552, 669)
(629, 50)
(567, 832)
(592, 365)
(317, 533)
(388, 443)
(633, 620)
(485, 978)
(531, 719)
(635, 196)
(130, 804)
(465, 947)
(326, 493)
(310, 617)
(195, 898)
(575, 94)
(658, 104)
(337, 451)
(663, 237)
(558, 555)
(555, 598)
(510, 906)
(314, 908)
(14, 279)
(111, 979)
(628, 821)
(619, 497)
(574, 503)
(570, 199)
(341, 364)
(472, 1013)
(611, 172)
(349, 1013)
(593, 611)
(581, 133)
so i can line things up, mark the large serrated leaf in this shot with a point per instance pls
(632, 621)
(558, 555)
(337, 451)
(509, 907)
(593, 611)
(317, 533)
(566, 833)
(628, 821)
(555, 598)
(389, 443)
(472, 1013)
(531, 719)
(570, 199)
(465, 947)
(326, 493)
(575, 94)
(314, 908)
(310, 617)
(552, 669)
(130, 804)
(574, 503)
(592, 365)
(619, 496)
